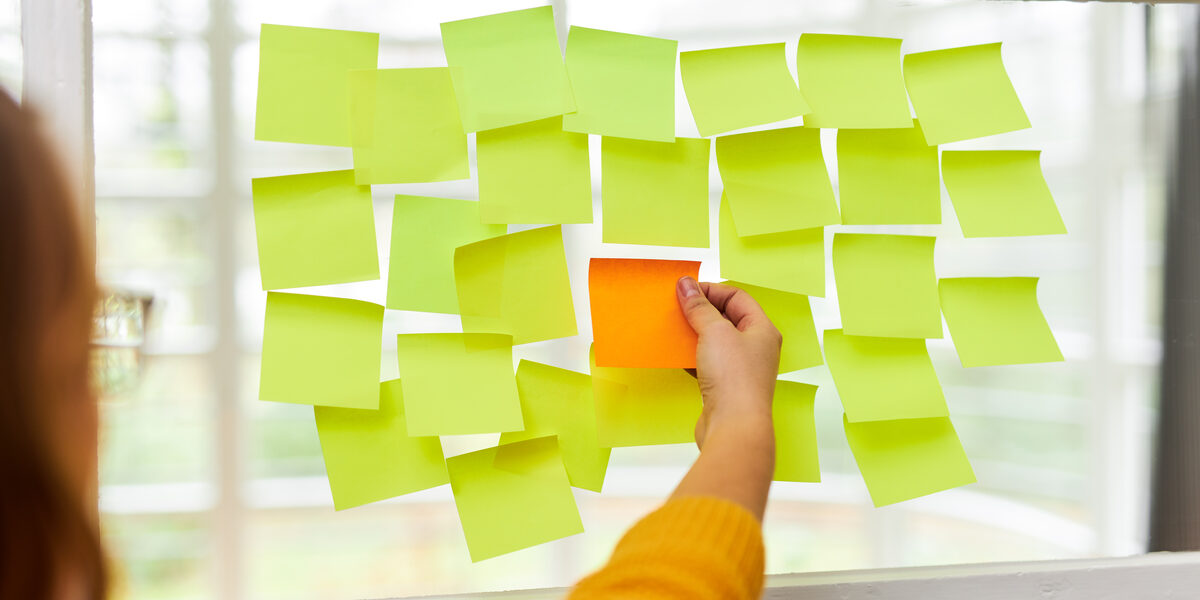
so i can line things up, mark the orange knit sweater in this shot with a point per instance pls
(695, 548)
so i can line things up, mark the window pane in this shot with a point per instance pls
(152, 17)
(165, 557)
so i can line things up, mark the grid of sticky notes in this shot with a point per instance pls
(530, 108)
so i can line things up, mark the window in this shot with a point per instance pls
(207, 492)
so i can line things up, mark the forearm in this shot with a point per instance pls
(736, 463)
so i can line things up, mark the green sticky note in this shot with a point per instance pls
(742, 86)
(775, 180)
(792, 316)
(458, 383)
(314, 229)
(655, 193)
(512, 68)
(644, 407)
(559, 402)
(624, 84)
(883, 378)
(886, 285)
(425, 232)
(996, 321)
(513, 497)
(792, 261)
(405, 127)
(321, 351)
(369, 455)
(1000, 193)
(852, 81)
(534, 173)
(304, 84)
(962, 93)
(516, 284)
(795, 432)
(909, 458)
(888, 177)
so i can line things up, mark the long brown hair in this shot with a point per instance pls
(49, 539)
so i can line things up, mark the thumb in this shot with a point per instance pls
(699, 312)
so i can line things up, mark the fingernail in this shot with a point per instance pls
(688, 287)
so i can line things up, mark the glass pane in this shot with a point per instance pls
(155, 17)
(406, 21)
(165, 557)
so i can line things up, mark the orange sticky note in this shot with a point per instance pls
(636, 319)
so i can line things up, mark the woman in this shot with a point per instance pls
(705, 542)
(49, 542)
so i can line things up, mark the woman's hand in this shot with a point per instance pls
(737, 357)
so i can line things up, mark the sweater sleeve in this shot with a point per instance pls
(696, 548)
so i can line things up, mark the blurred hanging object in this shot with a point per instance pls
(118, 334)
(1174, 518)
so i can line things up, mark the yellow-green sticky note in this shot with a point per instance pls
(644, 407)
(888, 177)
(852, 81)
(792, 315)
(406, 127)
(883, 378)
(516, 284)
(886, 285)
(909, 458)
(425, 232)
(655, 193)
(322, 351)
(534, 173)
(511, 68)
(458, 383)
(962, 93)
(775, 180)
(304, 84)
(559, 402)
(997, 321)
(512, 497)
(792, 261)
(369, 455)
(742, 86)
(795, 432)
(1000, 193)
(314, 229)
(624, 84)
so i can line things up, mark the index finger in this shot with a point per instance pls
(736, 304)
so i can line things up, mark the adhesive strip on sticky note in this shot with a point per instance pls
(624, 84)
(909, 458)
(792, 316)
(883, 378)
(742, 86)
(997, 321)
(513, 497)
(516, 284)
(886, 285)
(962, 93)
(512, 68)
(655, 193)
(304, 85)
(559, 402)
(792, 261)
(852, 81)
(369, 455)
(888, 177)
(795, 432)
(534, 173)
(321, 351)
(458, 383)
(636, 318)
(775, 180)
(1000, 193)
(314, 229)
(405, 127)
(425, 233)
(644, 407)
